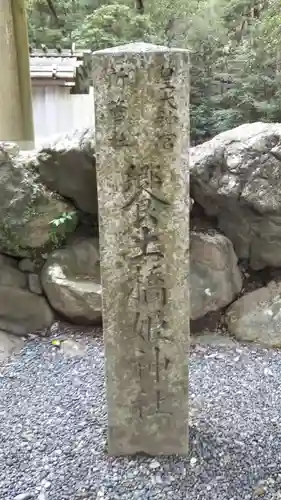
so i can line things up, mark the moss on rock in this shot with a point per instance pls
(28, 210)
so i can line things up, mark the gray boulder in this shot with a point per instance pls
(27, 207)
(71, 281)
(256, 317)
(27, 265)
(215, 279)
(10, 275)
(34, 283)
(22, 312)
(237, 177)
(67, 165)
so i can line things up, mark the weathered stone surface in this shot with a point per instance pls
(67, 166)
(27, 265)
(141, 96)
(27, 208)
(10, 275)
(71, 281)
(215, 278)
(34, 283)
(9, 345)
(22, 312)
(212, 339)
(237, 178)
(256, 317)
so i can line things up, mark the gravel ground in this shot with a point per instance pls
(53, 429)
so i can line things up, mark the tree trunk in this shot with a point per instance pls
(16, 118)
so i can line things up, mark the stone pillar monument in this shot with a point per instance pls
(142, 130)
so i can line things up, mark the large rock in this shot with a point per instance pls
(10, 275)
(27, 207)
(237, 178)
(256, 317)
(67, 166)
(215, 279)
(71, 281)
(22, 312)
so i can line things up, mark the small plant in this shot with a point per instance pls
(64, 217)
(61, 226)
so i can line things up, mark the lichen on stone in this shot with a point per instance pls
(28, 208)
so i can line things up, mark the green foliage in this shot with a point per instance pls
(61, 227)
(10, 240)
(111, 25)
(63, 219)
(234, 44)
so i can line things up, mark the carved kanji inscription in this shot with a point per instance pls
(141, 102)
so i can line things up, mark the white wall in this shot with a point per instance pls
(56, 111)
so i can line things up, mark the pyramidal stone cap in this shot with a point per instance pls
(137, 48)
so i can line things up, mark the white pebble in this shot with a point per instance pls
(23, 496)
(154, 464)
(45, 484)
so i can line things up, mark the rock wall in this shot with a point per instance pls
(236, 182)
(236, 177)
(49, 250)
